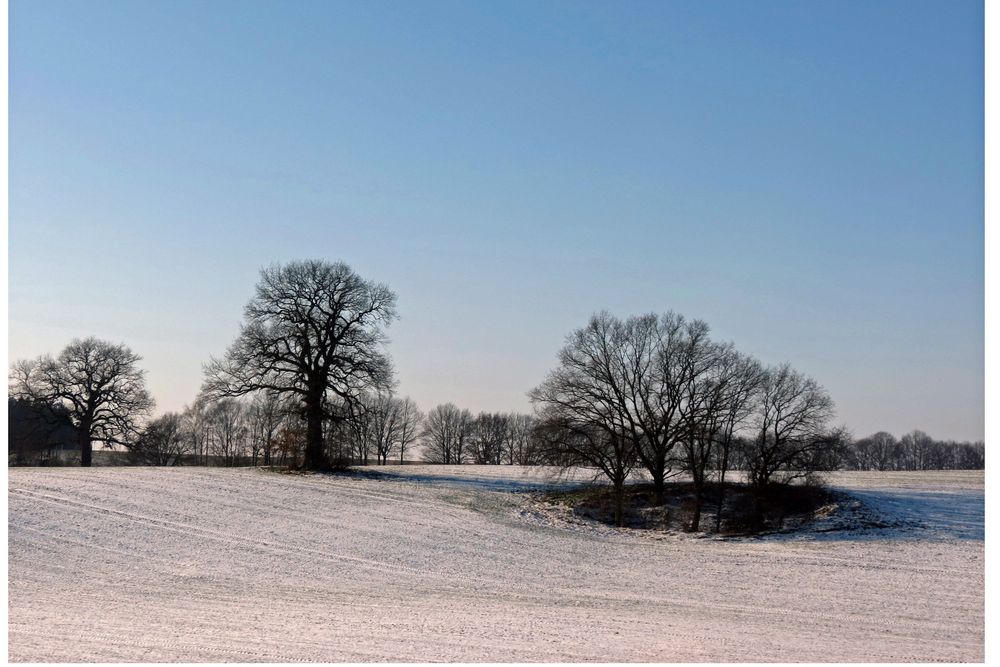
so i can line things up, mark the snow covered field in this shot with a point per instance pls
(446, 563)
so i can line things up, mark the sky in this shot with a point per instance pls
(805, 177)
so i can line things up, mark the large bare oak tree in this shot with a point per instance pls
(97, 382)
(314, 330)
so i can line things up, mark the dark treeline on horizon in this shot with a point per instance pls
(308, 384)
(260, 432)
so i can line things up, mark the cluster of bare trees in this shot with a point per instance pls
(914, 451)
(259, 430)
(267, 429)
(379, 426)
(308, 383)
(656, 393)
(454, 436)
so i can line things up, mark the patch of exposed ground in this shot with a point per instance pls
(798, 508)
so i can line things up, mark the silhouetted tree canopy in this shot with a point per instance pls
(163, 442)
(98, 384)
(314, 329)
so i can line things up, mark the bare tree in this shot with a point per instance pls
(917, 448)
(643, 370)
(374, 422)
(338, 439)
(163, 441)
(790, 427)
(876, 452)
(381, 419)
(585, 400)
(314, 329)
(98, 383)
(409, 422)
(197, 429)
(446, 434)
(392, 424)
(885, 450)
(489, 436)
(580, 406)
(970, 455)
(227, 428)
(463, 436)
(521, 446)
(290, 442)
(667, 397)
(741, 377)
(570, 438)
(638, 376)
(361, 423)
(264, 414)
(717, 398)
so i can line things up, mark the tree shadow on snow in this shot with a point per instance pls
(867, 515)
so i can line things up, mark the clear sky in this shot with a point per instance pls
(805, 176)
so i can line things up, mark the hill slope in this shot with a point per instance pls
(133, 564)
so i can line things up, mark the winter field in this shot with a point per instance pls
(456, 563)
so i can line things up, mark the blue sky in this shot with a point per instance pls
(806, 177)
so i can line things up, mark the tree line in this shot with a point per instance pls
(264, 430)
(308, 383)
(914, 451)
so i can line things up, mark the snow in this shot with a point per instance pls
(421, 563)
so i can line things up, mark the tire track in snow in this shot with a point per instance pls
(253, 543)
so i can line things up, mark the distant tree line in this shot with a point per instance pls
(453, 436)
(914, 451)
(308, 384)
(265, 429)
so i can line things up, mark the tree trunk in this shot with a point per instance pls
(698, 478)
(658, 487)
(83, 435)
(620, 504)
(86, 450)
(757, 519)
(696, 517)
(722, 497)
(315, 456)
